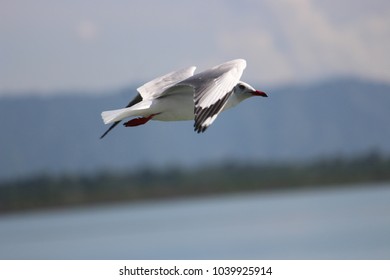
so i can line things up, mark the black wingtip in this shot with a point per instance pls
(104, 134)
(109, 129)
(199, 128)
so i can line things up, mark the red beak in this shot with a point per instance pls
(259, 93)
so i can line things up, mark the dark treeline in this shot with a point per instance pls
(229, 177)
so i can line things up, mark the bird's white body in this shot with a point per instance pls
(164, 109)
(181, 95)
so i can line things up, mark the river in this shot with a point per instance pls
(345, 223)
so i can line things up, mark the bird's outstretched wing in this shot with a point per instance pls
(156, 87)
(212, 89)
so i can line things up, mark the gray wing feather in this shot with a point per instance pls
(158, 86)
(212, 89)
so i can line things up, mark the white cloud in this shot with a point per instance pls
(87, 30)
(370, 44)
(303, 43)
(283, 41)
(259, 49)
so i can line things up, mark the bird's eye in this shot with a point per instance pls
(241, 86)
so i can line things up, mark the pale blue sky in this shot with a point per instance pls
(48, 45)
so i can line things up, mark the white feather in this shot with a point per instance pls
(156, 87)
(113, 115)
(231, 72)
(120, 114)
(213, 85)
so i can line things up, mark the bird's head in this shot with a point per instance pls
(244, 90)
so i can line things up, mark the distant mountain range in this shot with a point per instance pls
(60, 134)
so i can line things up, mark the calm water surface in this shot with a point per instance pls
(351, 223)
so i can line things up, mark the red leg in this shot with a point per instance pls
(139, 121)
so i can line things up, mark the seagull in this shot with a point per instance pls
(181, 95)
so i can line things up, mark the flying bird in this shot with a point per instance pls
(181, 95)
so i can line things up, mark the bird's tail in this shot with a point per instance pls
(115, 115)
